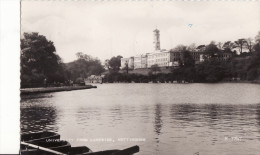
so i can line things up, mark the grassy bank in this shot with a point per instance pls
(26, 91)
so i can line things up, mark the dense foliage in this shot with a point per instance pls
(83, 67)
(40, 62)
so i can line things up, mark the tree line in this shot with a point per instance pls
(242, 66)
(40, 62)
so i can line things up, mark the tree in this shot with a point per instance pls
(180, 48)
(81, 55)
(249, 44)
(192, 47)
(210, 71)
(187, 59)
(240, 43)
(220, 45)
(39, 60)
(107, 64)
(253, 69)
(155, 68)
(115, 63)
(257, 38)
(84, 66)
(186, 71)
(228, 46)
(211, 50)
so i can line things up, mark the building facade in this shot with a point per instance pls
(140, 61)
(167, 58)
(161, 58)
(224, 56)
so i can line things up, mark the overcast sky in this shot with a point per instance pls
(106, 29)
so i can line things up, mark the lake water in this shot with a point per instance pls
(163, 119)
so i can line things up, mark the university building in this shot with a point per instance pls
(165, 58)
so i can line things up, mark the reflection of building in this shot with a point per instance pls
(127, 62)
(94, 79)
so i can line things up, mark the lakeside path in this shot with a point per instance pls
(27, 91)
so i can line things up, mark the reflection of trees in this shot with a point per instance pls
(184, 112)
(213, 114)
(38, 119)
(117, 112)
(84, 114)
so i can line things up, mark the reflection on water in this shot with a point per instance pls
(158, 119)
(171, 121)
(38, 118)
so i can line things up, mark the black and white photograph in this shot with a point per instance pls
(139, 77)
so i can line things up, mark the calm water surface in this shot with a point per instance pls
(165, 119)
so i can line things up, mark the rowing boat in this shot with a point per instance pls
(127, 151)
(79, 150)
(39, 136)
(106, 152)
(39, 150)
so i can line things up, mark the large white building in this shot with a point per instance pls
(162, 58)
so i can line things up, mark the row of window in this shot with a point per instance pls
(158, 60)
(157, 55)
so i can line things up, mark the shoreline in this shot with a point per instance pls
(27, 91)
(249, 82)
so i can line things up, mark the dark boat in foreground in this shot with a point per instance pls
(49, 143)
(39, 136)
(38, 150)
(127, 151)
(79, 150)
(60, 146)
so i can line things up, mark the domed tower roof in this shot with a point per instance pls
(156, 30)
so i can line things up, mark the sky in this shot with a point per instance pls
(111, 28)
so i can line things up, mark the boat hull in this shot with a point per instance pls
(39, 137)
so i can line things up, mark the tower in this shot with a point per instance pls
(156, 39)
